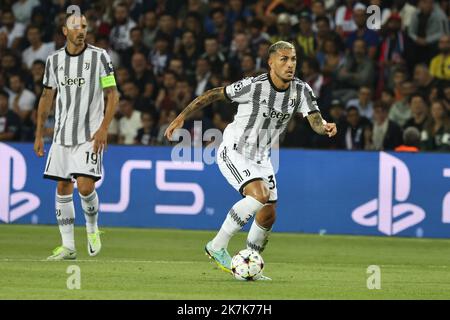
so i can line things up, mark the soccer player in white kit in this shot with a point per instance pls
(81, 75)
(266, 104)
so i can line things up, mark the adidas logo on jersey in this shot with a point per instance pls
(70, 82)
(276, 115)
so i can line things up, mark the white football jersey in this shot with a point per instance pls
(264, 112)
(79, 100)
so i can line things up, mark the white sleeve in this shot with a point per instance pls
(239, 91)
(308, 101)
(49, 75)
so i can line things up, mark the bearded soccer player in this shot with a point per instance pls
(80, 75)
(266, 104)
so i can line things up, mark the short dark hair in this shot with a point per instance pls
(415, 95)
(42, 63)
(352, 108)
(4, 93)
(323, 18)
(136, 28)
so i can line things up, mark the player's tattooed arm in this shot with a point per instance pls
(200, 102)
(45, 105)
(320, 126)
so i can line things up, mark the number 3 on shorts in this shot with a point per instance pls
(272, 182)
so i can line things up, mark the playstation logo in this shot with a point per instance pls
(394, 185)
(14, 203)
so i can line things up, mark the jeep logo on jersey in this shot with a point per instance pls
(276, 115)
(70, 82)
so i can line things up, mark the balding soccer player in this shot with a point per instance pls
(266, 104)
(81, 75)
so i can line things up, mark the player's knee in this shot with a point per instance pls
(261, 194)
(85, 189)
(64, 188)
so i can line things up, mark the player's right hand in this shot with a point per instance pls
(39, 146)
(175, 124)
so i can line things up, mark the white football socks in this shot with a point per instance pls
(237, 217)
(257, 237)
(65, 214)
(89, 204)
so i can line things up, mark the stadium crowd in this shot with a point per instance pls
(386, 88)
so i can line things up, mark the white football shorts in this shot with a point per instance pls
(240, 171)
(67, 162)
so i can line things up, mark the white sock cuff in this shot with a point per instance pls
(255, 202)
(63, 198)
(89, 197)
(261, 227)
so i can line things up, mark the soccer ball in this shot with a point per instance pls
(247, 265)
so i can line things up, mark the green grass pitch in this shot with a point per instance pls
(170, 264)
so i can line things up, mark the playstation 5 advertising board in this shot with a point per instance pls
(326, 192)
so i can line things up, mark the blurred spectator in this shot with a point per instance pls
(176, 65)
(237, 11)
(427, 26)
(392, 50)
(149, 29)
(148, 134)
(202, 75)
(419, 112)
(184, 94)
(284, 29)
(370, 37)
(23, 9)
(331, 59)
(120, 33)
(160, 55)
(21, 100)
(189, 52)
(344, 18)
(142, 76)
(387, 97)
(386, 134)
(12, 29)
(140, 103)
(9, 120)
(436, 136)
(411, 141)
(305, 37)
(363, 102)
(37, 49)
(319, 14)
(324, 31)
(400, 111)
(357, 70)
(37, 73)
(167, 116)
(440, 64)
(129, 123)
(261, 61)
(220, 29)
(213, 54)
(423, 80)
(167, 93)
(257, 35)
(406, 11)
(352, 134)
(103, 42)
(137, 45)
(311, 75)
(248, 66)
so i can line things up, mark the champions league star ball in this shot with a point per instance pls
(247, 265)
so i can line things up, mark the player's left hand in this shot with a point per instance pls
(330, 129)
(100, 138)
